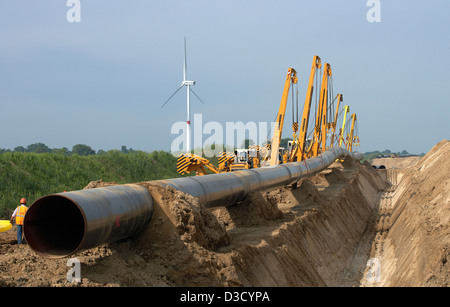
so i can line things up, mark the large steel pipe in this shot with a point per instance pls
(62, 224)
(228, 188)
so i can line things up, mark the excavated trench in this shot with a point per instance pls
(350, 225)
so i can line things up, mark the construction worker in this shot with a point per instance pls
(19, 215)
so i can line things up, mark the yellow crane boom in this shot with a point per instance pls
(350, 137)
(301, 154)
(320, 129)
(341, 133)
(291, 77)
(339, 98)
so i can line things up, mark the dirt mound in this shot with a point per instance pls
(327, 177)
(253, 211)
(191, 221)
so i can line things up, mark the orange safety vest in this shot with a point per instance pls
(21, 210)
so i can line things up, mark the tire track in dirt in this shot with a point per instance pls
(372, 272)
(363, 268)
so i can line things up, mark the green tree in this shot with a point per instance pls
(62, 151)
(20, 149)
(38, 148)
(82, 150)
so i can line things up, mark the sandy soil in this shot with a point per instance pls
(322, 233)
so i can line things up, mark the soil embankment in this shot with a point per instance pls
(324, 232)
(413, 242)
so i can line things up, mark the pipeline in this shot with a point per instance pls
(62, 224)
(218, 190)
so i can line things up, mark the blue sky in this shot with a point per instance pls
(102, 81)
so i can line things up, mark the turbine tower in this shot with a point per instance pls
(188, 88)
(188, 85)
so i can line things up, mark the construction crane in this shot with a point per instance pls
(300, 149)
(341, 133)
(339, 98)
(291, 78)
(352, 139)
(320, 129)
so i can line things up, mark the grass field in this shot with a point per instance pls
(33, 175)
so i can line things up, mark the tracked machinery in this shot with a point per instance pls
(240, 159)
(188, 162)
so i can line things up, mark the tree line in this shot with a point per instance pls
(78, 149)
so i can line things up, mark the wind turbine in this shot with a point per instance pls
(188, 85)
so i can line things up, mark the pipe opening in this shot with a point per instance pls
(54, 226)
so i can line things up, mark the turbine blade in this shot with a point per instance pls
(185, 62)
(172, 96)
(196, 95)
